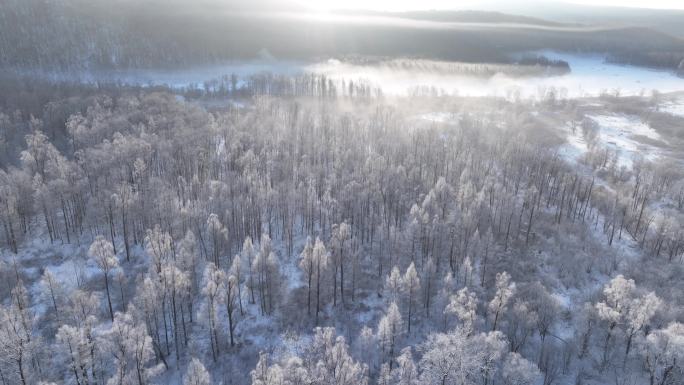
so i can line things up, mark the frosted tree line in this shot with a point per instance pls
(318, 241)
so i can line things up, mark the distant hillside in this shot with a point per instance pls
(472, 16)
(70, 35)
(668, 21)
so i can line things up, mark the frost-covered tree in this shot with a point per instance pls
(236, 271)
(40, 157)
(446, 290)
(76, 345)
(367, 347)
(188, 261)
(53, 290)
(124, 198)
(663, 354)
(624, 308)
(306, 263)
(326, 361)
(519, 371)
(196, 374)
(266, 268)
(641, 311)
(122, 282)
(289, 371)
(456, 358)
(384, 375)
(231, 299)
(82, 305)
(405, 372)
(17, 343)
(464, 306)
(411, 287)
(339, 244)
(101, 252)
(389, 330)
(545, 306)
(429, 273)
(159, 246)
(521, 325)
(129, 344)
(467, 271)
(175, 283)
(213, 281)
(248, 254)
(218, 235)
(261, 374)
(319, 262)
(505, 289)
(494, 345)
(330, 362)
(393, 285)
(151, 304)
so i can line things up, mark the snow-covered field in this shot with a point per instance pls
(674, 107)
(627, 135)
(439, 117)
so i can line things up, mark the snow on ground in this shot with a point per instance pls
(624, 125)
(673, 107)
(292, 344)
(289, 268)
(622, 133)
(67, 262)
(576, 146)
(440, 117)
(289, 265)
(73, 272)
(628, 135)
(564, 329)
(372, 305)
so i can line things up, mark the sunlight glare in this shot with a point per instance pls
(409, 5)
(381, 5)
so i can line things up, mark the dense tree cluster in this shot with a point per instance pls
(332, 241)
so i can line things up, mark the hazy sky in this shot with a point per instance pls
(403, 5)
(664, 4)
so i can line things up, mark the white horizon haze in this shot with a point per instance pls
(414, 5)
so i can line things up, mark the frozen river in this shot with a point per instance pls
(590, 75)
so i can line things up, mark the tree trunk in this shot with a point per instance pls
(109, 298)
(318, 290)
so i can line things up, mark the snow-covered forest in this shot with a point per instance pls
(317, 228)
(317, 240)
